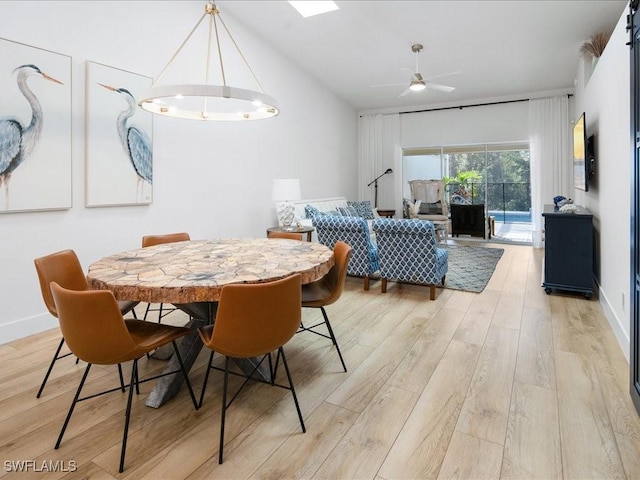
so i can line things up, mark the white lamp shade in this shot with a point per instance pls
(286, 190)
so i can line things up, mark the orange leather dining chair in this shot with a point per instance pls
(253, 320)
(65, 269)
(326, 291)
(95, 332)
(149, 241)
(287, 235)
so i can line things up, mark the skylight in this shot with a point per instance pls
(310, 8)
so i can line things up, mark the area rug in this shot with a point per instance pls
(470, 268)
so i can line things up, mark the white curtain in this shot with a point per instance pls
(379, 149)
(550, 147)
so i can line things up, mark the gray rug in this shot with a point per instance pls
(470, 268)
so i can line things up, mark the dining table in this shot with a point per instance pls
(191, 275)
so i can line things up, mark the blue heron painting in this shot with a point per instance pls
(135, 141)
(19, 139)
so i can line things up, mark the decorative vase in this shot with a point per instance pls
(286, 213)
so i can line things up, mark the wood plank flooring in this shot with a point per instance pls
(509, 383)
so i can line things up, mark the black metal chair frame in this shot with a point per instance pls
(57, 356)
(331, 335)
(134, 382)
(162, 311)
(247, 377)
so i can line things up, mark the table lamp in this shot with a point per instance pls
(286, 191)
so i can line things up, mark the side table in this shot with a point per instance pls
(387, 213)
(307, 230)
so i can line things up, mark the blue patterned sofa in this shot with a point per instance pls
(355, 232)
(408, 253)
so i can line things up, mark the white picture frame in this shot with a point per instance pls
(35, 129)
(119, 139)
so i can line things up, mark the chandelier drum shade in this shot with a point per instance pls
(204, 101)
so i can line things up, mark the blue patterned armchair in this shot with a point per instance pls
(408, 253)
(355, 232)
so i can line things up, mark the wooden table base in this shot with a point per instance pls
(202, 313)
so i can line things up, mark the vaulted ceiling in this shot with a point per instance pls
(485, 49)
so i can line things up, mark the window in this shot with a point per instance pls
(497, 175)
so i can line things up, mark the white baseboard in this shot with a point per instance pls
(614, 323)
(25, 327)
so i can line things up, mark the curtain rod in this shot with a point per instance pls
(460, 107)
(467, 106)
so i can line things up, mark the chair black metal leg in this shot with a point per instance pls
(137, 382)
(272, 372)
(206, 379)
(121, 377)
(146, 312)
(160, 314)
(127, 415)
(224, 407)
(293, 391)
(275, 369)
(73, 405)
(333, 337)
(53, 360)
(185, 374)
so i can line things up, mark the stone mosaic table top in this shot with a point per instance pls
(196, 271)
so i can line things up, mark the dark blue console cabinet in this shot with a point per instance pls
(568, 251)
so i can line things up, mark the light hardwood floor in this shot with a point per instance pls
(508, 383)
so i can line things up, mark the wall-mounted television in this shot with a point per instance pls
(581, 164)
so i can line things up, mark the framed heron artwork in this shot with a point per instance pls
(119, 160)
(35, 128)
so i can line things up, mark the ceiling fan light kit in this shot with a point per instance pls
(417, 84)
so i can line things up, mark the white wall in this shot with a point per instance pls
(210, 179)
(605, 98)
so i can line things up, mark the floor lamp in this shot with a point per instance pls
(375, 181)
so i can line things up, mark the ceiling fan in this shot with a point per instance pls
(418, 83)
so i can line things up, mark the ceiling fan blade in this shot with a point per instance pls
(387, 85)
(442, 88)
(444, 75)
(406, 92)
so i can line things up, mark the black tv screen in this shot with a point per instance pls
(580, 163)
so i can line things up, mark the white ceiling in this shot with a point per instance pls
(501, 49)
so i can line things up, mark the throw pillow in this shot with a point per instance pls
(363, 208)
(310, 211)
(431, 208)
(348, 212)
(414, 208)
(406, 209)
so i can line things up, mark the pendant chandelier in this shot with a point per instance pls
(206, 101)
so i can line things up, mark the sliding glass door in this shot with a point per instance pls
(495, 175)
